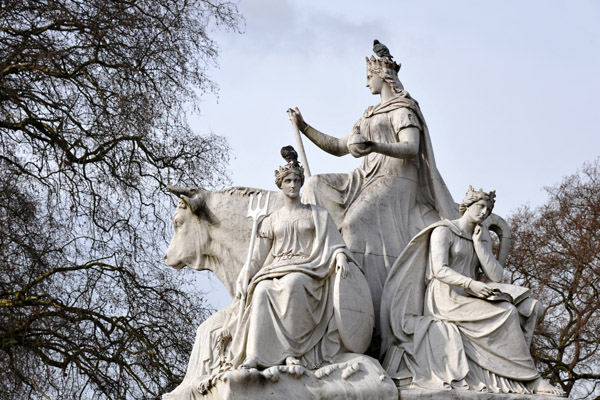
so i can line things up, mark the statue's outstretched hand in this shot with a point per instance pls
(296, 117)
(341, 264)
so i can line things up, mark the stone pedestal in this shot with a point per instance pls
(353, 377)
(424, 394)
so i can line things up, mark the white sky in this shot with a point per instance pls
(508, 88)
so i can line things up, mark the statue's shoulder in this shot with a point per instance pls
(442, 227)
(448, 228)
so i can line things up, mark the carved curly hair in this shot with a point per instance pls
(473, 196)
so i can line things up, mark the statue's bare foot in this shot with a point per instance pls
(289, 361)
(542, 386)
(250, 363)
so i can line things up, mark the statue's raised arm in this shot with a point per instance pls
(332, 145)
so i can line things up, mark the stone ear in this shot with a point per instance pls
(187, 201)
(196, 203)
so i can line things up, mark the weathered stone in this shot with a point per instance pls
(424, 394)
(354, 377)
(444, 326)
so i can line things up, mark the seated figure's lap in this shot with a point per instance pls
(293, 285)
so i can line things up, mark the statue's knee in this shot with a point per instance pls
(538, 309)
(261, 291)
(512, 310)
(296, 282)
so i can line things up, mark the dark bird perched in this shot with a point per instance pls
(381, 50)
(289, 154)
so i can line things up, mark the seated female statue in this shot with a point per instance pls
(285, 311)
(288, 315)
(439, 327)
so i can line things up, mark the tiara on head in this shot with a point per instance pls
(491, 195)
(380, 64)
(473, 196)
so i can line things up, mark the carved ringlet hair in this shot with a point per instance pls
(289, 154)
(387, 70)
(473, 196)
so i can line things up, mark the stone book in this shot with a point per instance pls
(505, 292)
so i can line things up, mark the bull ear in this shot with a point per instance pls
(196, 203)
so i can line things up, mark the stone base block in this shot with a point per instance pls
(424, 394)
(353, 376)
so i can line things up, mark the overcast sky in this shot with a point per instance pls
(508, 88)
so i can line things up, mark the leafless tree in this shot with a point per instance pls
(556, 252)
(93, 102)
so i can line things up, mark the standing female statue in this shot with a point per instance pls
(439, 326)
(396, 191)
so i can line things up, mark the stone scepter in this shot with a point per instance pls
(299, 142)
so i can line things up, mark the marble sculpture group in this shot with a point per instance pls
(365, 282)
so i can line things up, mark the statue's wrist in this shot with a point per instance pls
(378, 147)
(303, 126)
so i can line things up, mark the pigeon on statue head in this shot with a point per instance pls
(381, 50)
(289, 154)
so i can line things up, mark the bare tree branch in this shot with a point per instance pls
(93, 99)
(556, 252)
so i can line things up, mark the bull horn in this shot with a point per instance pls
(195, 203)
(189, 191)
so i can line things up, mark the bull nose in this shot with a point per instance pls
(165, 257)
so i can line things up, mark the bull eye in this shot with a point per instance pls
(178, 222)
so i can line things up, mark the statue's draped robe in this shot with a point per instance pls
(383, 203)
(444, 338)
(289, 307)
(288, 310)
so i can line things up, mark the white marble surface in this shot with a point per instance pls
(296, 307)
(440, 327)
(424, 394)
(353, 377)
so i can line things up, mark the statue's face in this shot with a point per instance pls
(374, 82)
(478, 211)
(290, 185)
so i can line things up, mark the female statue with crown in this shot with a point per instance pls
(287, 306)
(396, 191)
(440, 324)
(288, 316)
